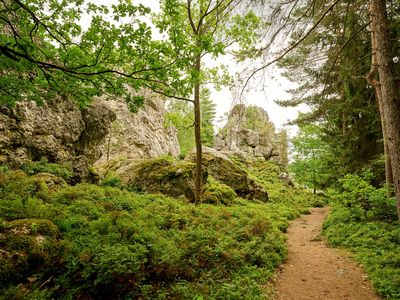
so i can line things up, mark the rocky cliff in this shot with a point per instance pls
(139, 135)
(248, 133)
(57, 130)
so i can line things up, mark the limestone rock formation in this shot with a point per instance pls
(140, 135)
(57, 130)
(248, 133)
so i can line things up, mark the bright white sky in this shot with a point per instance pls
(263, 95)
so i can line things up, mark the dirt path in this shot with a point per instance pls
(314, 271)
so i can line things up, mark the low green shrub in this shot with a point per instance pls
(102, 242)
(376, 245)
(64, 171)
(364, 200)
(363, 219)
(112, 180)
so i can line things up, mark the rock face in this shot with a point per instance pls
(248, 133)
(140, 135)
(57, 130)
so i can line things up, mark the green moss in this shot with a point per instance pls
(32, 227)
(43, 166)
(106, 242)
(165, 176)
(217, 193)
(28, 246)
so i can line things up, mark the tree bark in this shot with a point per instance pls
(197, 133)
(390, 94)
(378, 94)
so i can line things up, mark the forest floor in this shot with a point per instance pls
(315, 271)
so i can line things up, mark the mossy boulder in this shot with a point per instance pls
(215, 192)
(223, 169)
(176, 178)
(160, 175)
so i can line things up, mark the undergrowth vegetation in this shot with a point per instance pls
(105, 242)
(364, 220)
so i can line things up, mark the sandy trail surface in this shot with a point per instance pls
(315, 271)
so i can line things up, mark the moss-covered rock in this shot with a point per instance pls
(160, 175)
(215, 192)
(228, 172)
(176, 178)
(172, 178)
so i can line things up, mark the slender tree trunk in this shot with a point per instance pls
(390, 96)
(378, 94)
(109, 145)
(197, 134)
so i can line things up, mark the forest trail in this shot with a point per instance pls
(315, 271)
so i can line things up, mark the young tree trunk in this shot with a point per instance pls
(197, 134)
(109, 145)
(390, 94)
(378, 94)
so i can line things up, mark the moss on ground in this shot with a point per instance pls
(101, 242)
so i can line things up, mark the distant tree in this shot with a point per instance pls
(208, 114)
(348, 42)
(180, 115)
(310, 166)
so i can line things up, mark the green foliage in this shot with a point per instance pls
(180, 115)
(111, 180)
(364, 220)
(376, 245)
(208, 114)
(217, 193)
(44, 57)
(365, 201)
(266, 174)
(311, 158)
(64, 171)
(330, 70)
(103, 242)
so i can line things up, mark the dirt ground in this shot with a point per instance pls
(315, 271)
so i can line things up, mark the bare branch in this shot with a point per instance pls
(293, 46)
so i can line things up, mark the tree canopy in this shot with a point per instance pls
(46, 50)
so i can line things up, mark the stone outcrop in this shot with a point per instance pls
(57, 130)
(248, 134)
(140, 135)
